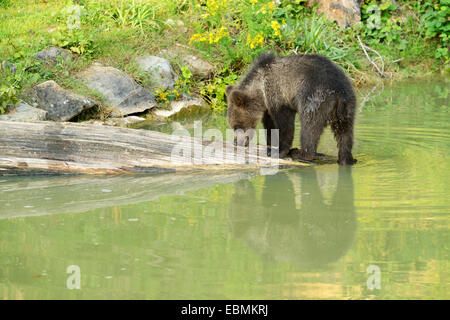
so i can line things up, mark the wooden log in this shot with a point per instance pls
(62, 147)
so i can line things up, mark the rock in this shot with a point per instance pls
(173, 23)
(24, 112)
(8, 65)
(61, 104)
(119, 91)
(123, 122)
(344, 12)
(160, 72)
(50, 55)
(179, 105)
(175, 26)
(198, 67)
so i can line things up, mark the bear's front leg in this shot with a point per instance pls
(268, 125)
(283, 149)
(282, 119)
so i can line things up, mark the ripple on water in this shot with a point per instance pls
(419, 138)
(402, 169)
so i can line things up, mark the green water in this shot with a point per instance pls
(300, 234)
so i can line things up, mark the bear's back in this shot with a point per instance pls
(317, 73)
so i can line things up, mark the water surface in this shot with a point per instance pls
(300, 234)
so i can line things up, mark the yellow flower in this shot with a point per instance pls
(253, 2)
(212, 36)
(221, 33)
(276, 27)
(268, 8)
(213, 6)
(197, 38)
(257, 41)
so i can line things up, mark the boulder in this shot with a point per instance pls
(177, 106)
(6, 65)
(118, 89)
(174, 26)
(196, 65)
(174, 23)
(24, 112)
(52, 55)
(159, 70)
(61, 104)
(344, 12)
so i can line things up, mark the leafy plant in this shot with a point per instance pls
(75, 41)
(182, 86)
(8, 95)
(166, 95)
(436, 24)
(378, 22)
(291, 9)
(9, 89)
(214, 90)
(184, 82)
(27, 73)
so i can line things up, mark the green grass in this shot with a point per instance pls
(115, 32)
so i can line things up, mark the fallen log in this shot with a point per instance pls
(63, 147)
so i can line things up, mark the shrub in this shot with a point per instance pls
(9, 89)
(76, 41)
(436, 24)
(214, 90)
(378, 22)
(182, 86)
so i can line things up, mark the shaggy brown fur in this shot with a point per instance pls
(276, 88)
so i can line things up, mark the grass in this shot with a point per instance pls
(227, 33)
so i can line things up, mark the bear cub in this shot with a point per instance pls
(276, 88)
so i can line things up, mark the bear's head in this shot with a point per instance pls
(245, 110)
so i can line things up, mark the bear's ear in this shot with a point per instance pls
(228, 89)
(238, 97)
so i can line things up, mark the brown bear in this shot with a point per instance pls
(276, 88)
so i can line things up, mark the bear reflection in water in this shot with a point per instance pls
(292, 220)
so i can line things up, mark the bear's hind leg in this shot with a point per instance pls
(311, 130)
(343, 132)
